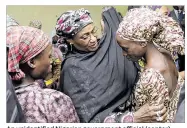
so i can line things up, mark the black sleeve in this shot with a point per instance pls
(78, 83)
(111, 19)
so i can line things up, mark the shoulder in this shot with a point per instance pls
(52, 95)
(35, 92)
(158, 68)
(59, 101)
(151, 76)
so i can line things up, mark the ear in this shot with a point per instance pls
(31, 63)
(143, 44)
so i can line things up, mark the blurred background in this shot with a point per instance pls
(49, 14)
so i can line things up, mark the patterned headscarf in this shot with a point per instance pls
(36, 24)
(143, 24)
(71, 22)
(24, 43)
(10, 21)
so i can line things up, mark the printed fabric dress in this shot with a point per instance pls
(152, 87)
(45, 105)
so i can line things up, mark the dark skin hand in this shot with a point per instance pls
(147, 113)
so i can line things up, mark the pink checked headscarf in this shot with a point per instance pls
(24, 43)
(143, 24)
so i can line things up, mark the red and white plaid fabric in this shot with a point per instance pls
(24, 43)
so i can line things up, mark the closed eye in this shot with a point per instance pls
(125, 49)
(88, 34)
(85, 36)
(94, 30)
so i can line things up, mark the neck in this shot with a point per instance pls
(26, 81)
(153, 56)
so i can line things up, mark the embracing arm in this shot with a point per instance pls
(78, 83)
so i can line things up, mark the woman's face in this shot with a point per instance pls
(42, 63)
(86, 39)
(132, 50)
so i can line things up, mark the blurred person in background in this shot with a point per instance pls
(133, 6)
(36, 24)
(178, 14)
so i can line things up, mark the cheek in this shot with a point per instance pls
(46, 63)
(140, 51)
(47, 66)
(132, 52)
(82, 44)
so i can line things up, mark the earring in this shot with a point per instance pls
(71, 47)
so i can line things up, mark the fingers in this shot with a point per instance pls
(163, 111)
(164, 117)
(154, 113)
(158, 107)
(158, 113)
(161, 119)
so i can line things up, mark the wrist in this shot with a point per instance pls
(136, 119)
